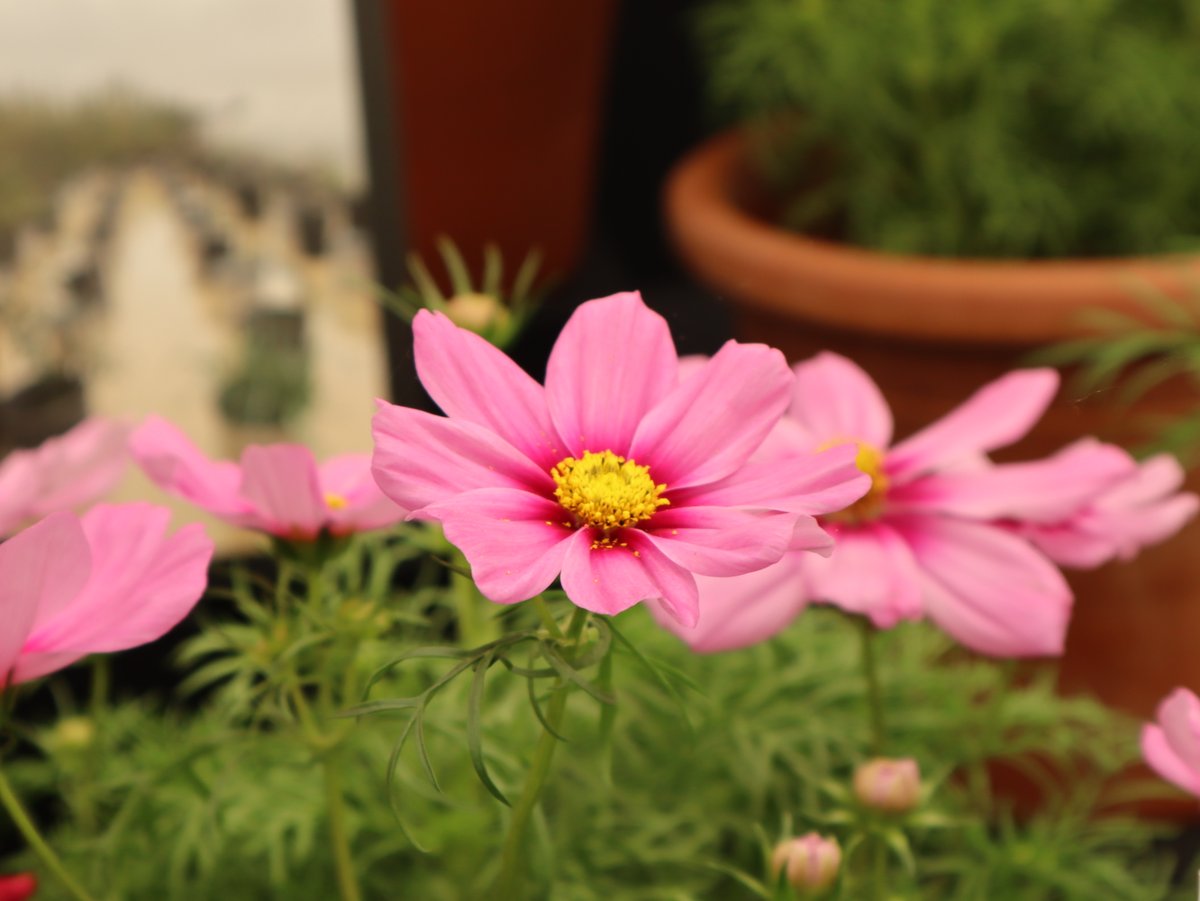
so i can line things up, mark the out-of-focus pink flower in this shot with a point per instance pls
(1172, 744)
(946, 533)
(1140, 508)
(890, 785)
(18, 886)
(65, 472)
(276, 488)
(109, 580)
(809, 863)
(622, 475)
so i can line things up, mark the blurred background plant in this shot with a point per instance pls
(1132, 356)
(44, 142)
(970, 129)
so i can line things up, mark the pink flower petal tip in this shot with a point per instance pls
(109, 580)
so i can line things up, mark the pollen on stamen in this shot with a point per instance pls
(606, 491)
(869, 460)
(335, 501)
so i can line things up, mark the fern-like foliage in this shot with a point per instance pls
(972, 128)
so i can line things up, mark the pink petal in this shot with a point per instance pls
(810, 535)
(813, 484)
(721, 541)
(996, 415)
(1045, 491)
(713, 421)
(1179, 716)
(612, 363)
(1068, 545)
(347, 478)
(142, 584)
(1118, 521)
(989, 589)
(871, 572)
(42, 568)
(281, 482)
(834, 400)
(18, 490)
(1155, 478)
(612, 579)
(473, 381)
(173, 463)
(79, 466)
(421, 459)
(741, 611)
(514, 540)
(1161, 757)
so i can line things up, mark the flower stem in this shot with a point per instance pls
(879, 874)
(44, 852)
(339, 837)
(507, 886)
(326, 746)
(874, 690)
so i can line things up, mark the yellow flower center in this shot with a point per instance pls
(868, 507)
(335, 501)
(606, 491)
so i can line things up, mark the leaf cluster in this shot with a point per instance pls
(675, 792)
(976, 128)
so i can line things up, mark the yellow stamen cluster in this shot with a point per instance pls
(335, 501)
(868, 507)
(606, 491)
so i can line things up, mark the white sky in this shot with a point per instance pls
(277, 76)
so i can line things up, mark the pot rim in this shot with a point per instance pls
(982, 301)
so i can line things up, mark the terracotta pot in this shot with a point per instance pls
(499, 106)
(930, 331)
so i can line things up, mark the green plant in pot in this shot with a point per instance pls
(935, 190)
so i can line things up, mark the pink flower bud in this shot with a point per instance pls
(890, 785)
(18, 887)
(810, 863)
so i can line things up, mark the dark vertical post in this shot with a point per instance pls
(385, 199)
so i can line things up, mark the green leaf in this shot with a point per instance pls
(474, 730)
(564, 669)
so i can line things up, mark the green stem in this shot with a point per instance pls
(879, 876)
(339, 836)
(101, 672)
(507, 886)
(473, 629)
(325, 746)
(874, 690)
(44, 852)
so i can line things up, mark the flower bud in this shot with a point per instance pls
(893, 786)
(476, 312)
(18, 887)
(810, 863)
(72, 733)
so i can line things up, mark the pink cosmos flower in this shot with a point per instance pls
(943, 531)
(68, 471)
(1172, 744)
(622, 475)
(277, 488)
(109, 580)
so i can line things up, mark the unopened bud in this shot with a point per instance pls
(809, 863)
(893, 786)
(18, 887)
(73, 733)
(476, 312)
